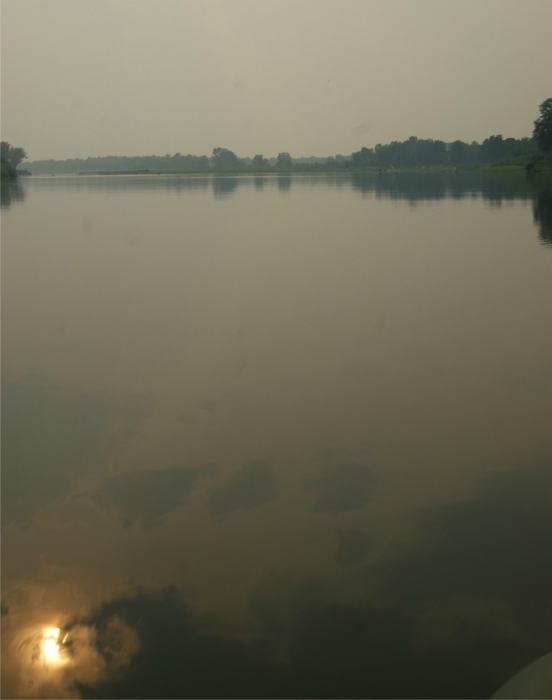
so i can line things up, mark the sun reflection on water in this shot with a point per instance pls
(51, 646)
(47, 661)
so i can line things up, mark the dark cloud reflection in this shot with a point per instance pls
(253, 485)
(335, 651)
(344, 488)
(53, 436)
(145, 497)
(353, 546)
(496, 545)
(479, 576)
(438, 630)
(178, 658)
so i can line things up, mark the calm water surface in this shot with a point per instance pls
(275, 436)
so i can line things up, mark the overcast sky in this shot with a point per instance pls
(313, 77)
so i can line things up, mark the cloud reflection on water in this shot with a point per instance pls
(53, 436)
(145, 497)
(452, 615)
(388, 363)
(252, 485)
(344, 488)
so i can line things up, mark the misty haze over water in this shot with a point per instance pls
(280, 436)
(276, 349)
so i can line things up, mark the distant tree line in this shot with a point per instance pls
(413, 152)
(116, 163)
(417, 152)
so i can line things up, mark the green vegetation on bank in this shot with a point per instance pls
(543, 135)
(539, 158)
(530, 153)
(532, 162)
(8, 171)
(411, 154)
(11, 158)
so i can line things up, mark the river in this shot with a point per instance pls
(271, 436)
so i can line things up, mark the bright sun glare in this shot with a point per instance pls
(50, 645)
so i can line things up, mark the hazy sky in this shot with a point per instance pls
(313, 77)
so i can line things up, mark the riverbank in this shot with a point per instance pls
(487, 168)
(530, 163)
(296, 170)
(8, 171)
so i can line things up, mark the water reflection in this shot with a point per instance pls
(145, 497)
(284, 183)
(281, 461)
(56, 661)
(54, 436)
(346, 487)
(353, 547)
(468, 593)
(252, 485)
(542, 211)
(11, 191)
(224, 186)
(494, 187)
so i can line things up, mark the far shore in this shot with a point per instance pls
(450, 170)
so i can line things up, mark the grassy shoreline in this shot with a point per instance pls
(512, 165)
(488, 168)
